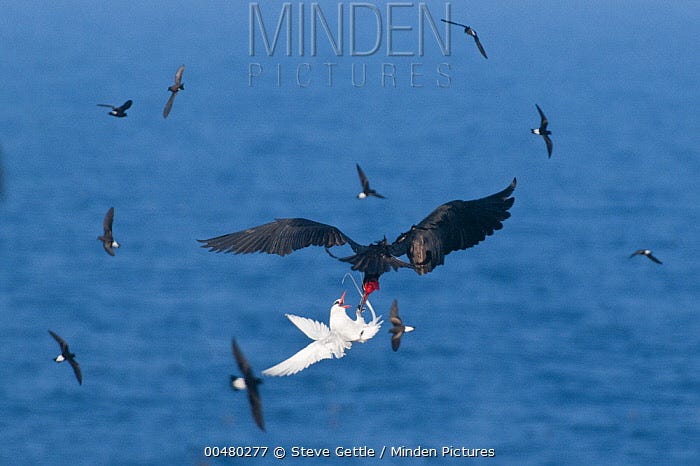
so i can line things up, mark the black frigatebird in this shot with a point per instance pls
(453, 226)
(66, 355)
(645, 252)
(174, 89)
(119, 112)
(543, 131)
(107, 239)
(398, 328)
(366, 190)
(248, 382)
(471, 32)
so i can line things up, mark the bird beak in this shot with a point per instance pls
(342, 300)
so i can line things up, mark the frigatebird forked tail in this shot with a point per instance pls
(453, 226)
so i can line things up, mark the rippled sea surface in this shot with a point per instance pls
(545, 343)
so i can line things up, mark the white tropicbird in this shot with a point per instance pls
(328, 342)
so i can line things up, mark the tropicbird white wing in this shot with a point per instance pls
(311, 328)
(371, 328)
(327, 348)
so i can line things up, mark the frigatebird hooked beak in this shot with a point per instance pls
(453, 226)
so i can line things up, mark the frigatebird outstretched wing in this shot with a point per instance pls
(453, 226)
(281, 237)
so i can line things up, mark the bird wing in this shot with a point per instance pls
(452, 22)
(311, 328)
(396, 338)
(451, 227)
(108, 248)
(636, 253)
(394, 312)
(240, 359)
(125, 106)
(315, 351)
(251, 384)
(364, 331)
(370, 329)
(178, 75)
(282, 237)
(650, 256)
(62, 343)
(107, 105)
(363, 178)
(256, 405)
(374, 259)
(548, 142)
(169, 105)
(543, 119)
(107, 222)
(479, 46)
(76, 368)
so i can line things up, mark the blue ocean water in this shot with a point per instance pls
(545, 343)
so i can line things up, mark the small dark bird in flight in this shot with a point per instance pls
(471, 32)
(107, 239)
(453, 226)
(119, 112)
(248, 382)
(398, 328)
(66, 355)
(174, 89)
(645, 252)
(543, 131)
(366, 190)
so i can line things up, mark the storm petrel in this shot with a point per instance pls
(174, 89)
(107, 239)
(366, 190)
(327, 342)
(398, 328)
(543, 131)
(250, 382)
(471, 32)
(645, 252)
(453, 226)
(119, 112)
(66, 355)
